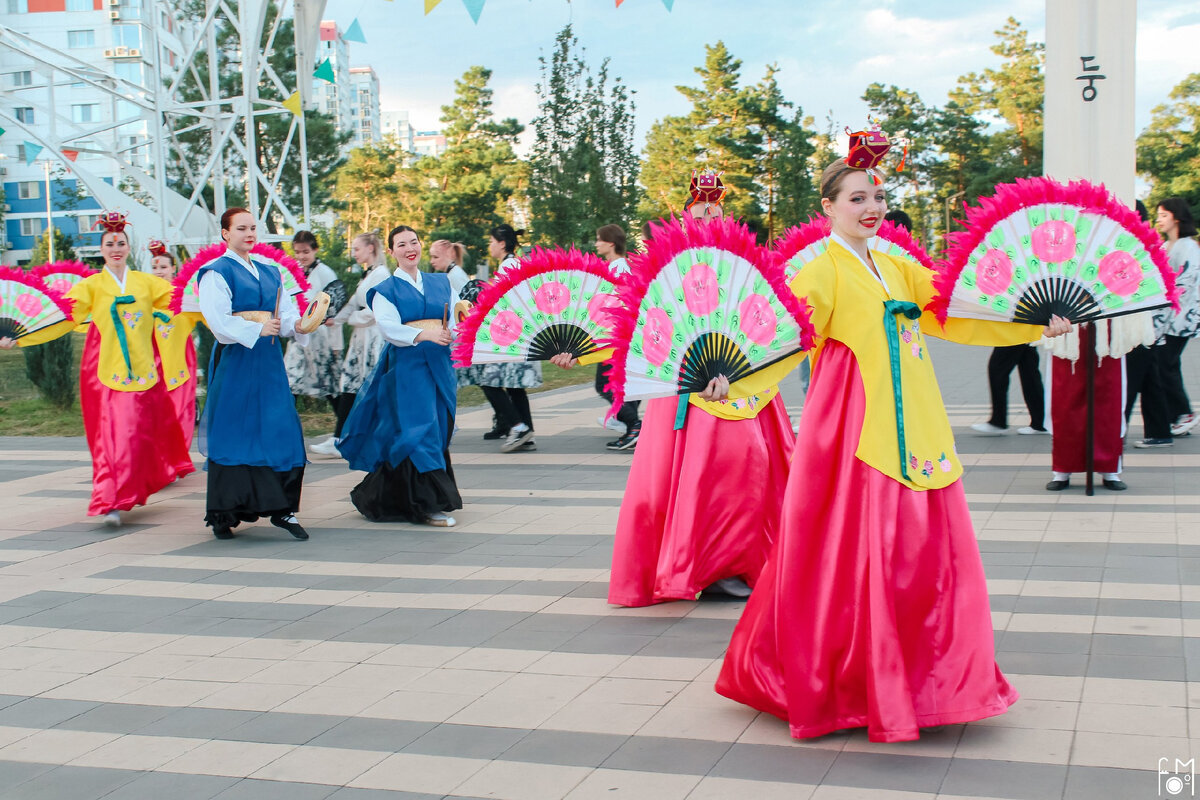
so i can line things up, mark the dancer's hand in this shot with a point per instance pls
(564, 360)
(717, 389)
(7, 343)
(442, 336)
(1057, 327)
(270, 328)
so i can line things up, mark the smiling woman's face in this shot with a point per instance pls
(857, 210)
(406, 249)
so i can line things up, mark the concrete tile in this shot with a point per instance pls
(505, 779)
(609, 783)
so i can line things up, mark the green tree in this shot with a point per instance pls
(583, 168)
(1014, 94)
(51, 366)
(725, 134)
(1168, 151)
(670, 154)
(368, 188)
(468, 187)
(785, 178)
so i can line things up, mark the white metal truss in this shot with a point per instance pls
(143, 132)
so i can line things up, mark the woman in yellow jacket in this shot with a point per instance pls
(135, 439)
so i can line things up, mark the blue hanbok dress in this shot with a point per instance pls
(399, 429)
(249, 430)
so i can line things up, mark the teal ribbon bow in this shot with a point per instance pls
(124, 299)
(909, 311)
(161, 317)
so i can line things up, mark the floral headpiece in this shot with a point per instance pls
(156, 248)
(112, 222)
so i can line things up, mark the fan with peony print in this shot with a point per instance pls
(1038, 248)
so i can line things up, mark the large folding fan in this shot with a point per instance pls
(61, 276)
(1038, 248)
(554, 301)
(704, 300)
(27, 305)
(800, 245)
(187, 284)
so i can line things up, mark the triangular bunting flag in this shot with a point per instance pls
(354, 33)
(430, 5)
(474, 8)
(70, 155)
(31, 151)
(324, 71)
(619, 3)
(292, 104)
(1, 131)
(670, 4)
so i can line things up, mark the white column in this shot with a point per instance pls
(1089, 113)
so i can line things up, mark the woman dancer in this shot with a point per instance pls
(366, 343)
(132, 431)
(872, 609)
(504, 385)
(176, 349)
(446, 256)
(399, 431)
(315, 370)
(250, 430)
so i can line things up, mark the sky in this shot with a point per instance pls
(828, 51)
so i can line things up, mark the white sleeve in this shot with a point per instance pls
(288, 317)
(216, 304)
(387, 317)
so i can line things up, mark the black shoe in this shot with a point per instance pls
(293, 528)
(496, 433)
(1143, 444)
(1116, 486)
(628, 441)
(223, 533)
(1057, 486)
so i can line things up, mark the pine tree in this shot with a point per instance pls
(671, 153)
(51, 366)
(471, 183)
(583, 168)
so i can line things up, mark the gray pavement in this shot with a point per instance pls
(394, 661)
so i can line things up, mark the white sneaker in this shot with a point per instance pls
(1184, 424)
(1029, 430)
(325, 448)
(988, 429)
(517, 437)
(612, 424)
(734, 587)
(113, 519)
(441, 520)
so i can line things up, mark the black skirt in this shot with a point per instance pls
(239, 493)
(401, 494)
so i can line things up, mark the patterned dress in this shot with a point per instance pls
(366, 342)
(315, 370)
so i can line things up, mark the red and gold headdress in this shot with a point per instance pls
(156, 248)
(867, 149)
(707, 190)
(112, 222)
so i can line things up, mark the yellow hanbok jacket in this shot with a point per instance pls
(906, 434)
(172, 335)
(125, 322)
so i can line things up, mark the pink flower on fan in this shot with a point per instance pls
(994, 273)
(1120, 273)
(600, 309)
(29, 304)
(700, 290)
(656, 336)
(61, 285)
(1054, 241)
(552, 297)
(758, 319)
(506, 328)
